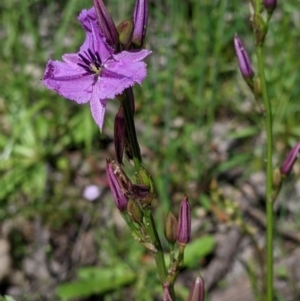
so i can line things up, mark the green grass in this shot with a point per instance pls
(193, 82)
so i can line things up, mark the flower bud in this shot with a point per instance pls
(171, 228)
(197, 291)
(140, 19)
(106, 23)
(184, 222)
(288, 163)
(134, 212)
(270, 5)
(114, 175)
(243, 60)
(145, 178)
(125, 30)
(119, 134)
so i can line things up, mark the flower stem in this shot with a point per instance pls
(269, 175)
(158, 256)
(130, 127)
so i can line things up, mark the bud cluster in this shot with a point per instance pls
(130, 33)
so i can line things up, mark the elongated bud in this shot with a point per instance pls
(288, 163)
(125, 30)
(184, 222)
(140, 19)
(270, 5)
(171, 228)
(134, 212)
(114, 178)
(197, 292)
(243, 61)
(128, 93)
(106, 23)
(119, 134)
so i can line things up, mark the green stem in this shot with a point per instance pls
(158, 256)
(130, 127)
(269, 176)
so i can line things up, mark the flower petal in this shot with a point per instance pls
(132, 56)
(112, 84)
(70, 82)
(95, 41)
(87, 15)
(134, 71)
(98, 108)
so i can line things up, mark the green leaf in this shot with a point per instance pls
(198, 249)
(96, 280)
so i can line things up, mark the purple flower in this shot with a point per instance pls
(95, 73)
(243, 58)
(288, 163)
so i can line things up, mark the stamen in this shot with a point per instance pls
(98, 57)
(86, 68)
(84, 59)
(92, 56)
(91, 62)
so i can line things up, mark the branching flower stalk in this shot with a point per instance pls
(259, 88)
(107, 66)
(260, 30)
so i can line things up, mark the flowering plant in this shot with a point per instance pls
(107, 65)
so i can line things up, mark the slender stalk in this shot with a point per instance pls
(149, 221)
(158, 256)
(130, 127)
(269, 175)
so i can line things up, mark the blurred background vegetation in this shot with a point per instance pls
(196, 118)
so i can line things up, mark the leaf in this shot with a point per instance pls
(96, 280)
(197, 249)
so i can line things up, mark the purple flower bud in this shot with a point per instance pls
(119, 134)
(288, 163)
(140, 19)
(114, 174)
(270, 5)
(197, 291)
(106, 23)
(184, 222)
(243, 58)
